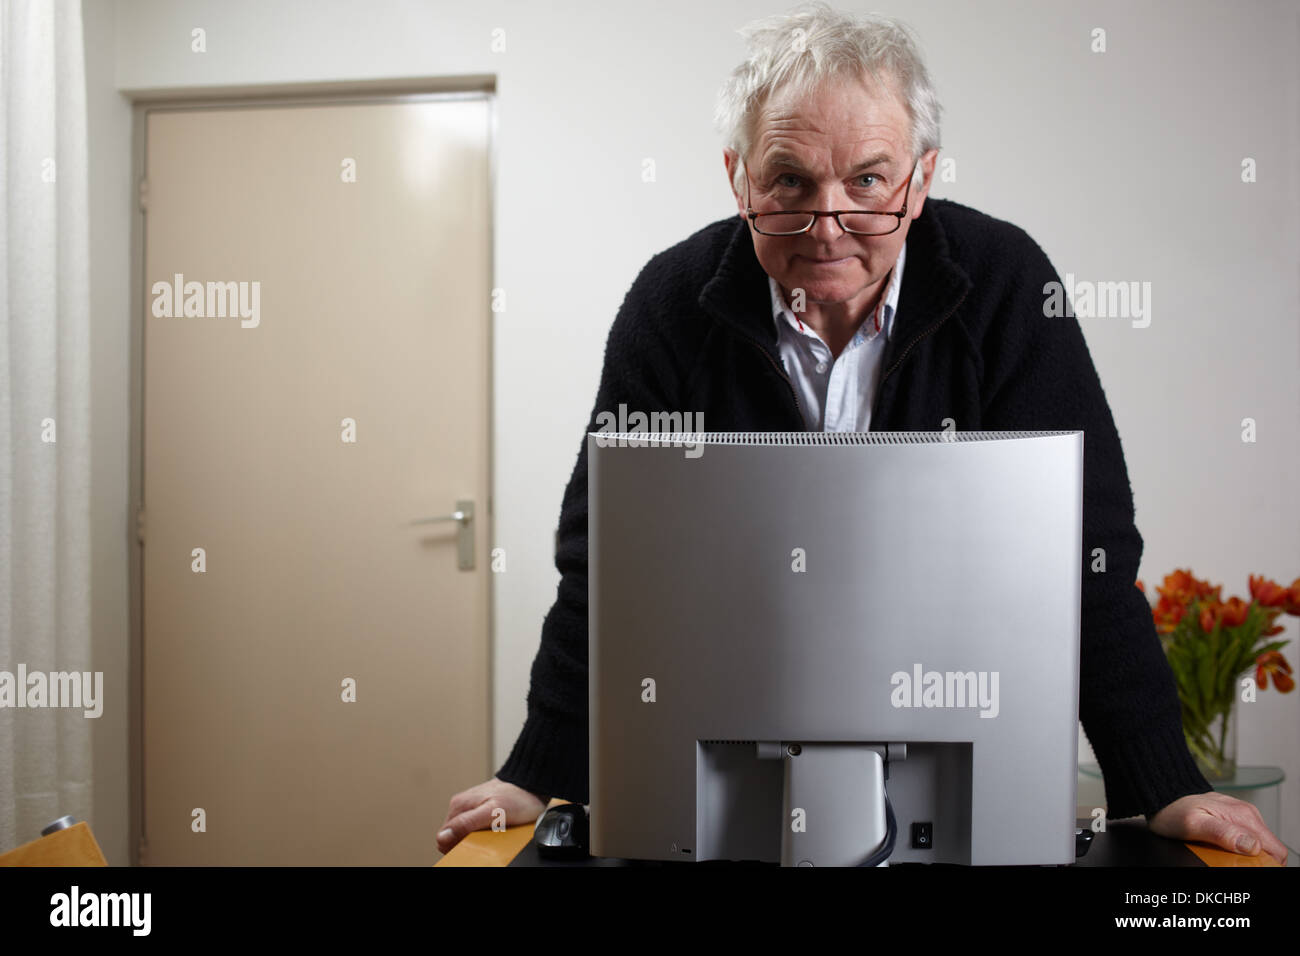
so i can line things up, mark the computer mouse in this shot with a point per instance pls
(1082, 839)
(561, 833)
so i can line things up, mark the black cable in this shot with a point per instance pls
(891, 833)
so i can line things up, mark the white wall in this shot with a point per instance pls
(1109, 160)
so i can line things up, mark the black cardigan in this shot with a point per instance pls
(970, 343)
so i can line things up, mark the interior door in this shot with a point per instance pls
(316, 378)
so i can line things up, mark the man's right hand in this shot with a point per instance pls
(472, 810)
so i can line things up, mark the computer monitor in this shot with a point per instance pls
(794, 634)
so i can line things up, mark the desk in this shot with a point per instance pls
(1125, 843)
(71, 846)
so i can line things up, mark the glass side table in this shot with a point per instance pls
(1258, 785)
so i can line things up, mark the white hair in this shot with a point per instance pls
(812, 44)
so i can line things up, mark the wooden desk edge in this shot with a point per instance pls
(1213, 856)
(492, 847)
(71, 846)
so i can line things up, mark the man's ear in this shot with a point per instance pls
(731, 159)
(919, 193)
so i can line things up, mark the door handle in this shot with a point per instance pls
(463, 516)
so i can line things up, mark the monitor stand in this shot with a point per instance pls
(834, 800)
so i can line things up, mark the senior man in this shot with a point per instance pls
(840, 299)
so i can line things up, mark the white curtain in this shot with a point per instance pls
(45, 754)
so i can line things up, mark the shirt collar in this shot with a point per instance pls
(888, 302)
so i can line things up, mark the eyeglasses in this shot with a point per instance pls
(794, 222)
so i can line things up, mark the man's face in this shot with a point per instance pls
(843, 148)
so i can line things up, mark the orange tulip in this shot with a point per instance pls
(1183, 587)
(1180, 587)
(1292, 605)
(1274, 663)
(1271, 614)
(1233, 613)
(1167, 614)
(1266, 592)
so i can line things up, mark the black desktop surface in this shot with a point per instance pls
(1125, 843)
(1131, 843)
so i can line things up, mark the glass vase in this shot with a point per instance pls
(1215, 747)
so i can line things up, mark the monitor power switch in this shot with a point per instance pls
(922, 836)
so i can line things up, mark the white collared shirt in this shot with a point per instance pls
(835, 395)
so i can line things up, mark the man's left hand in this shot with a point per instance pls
(1219, 820)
